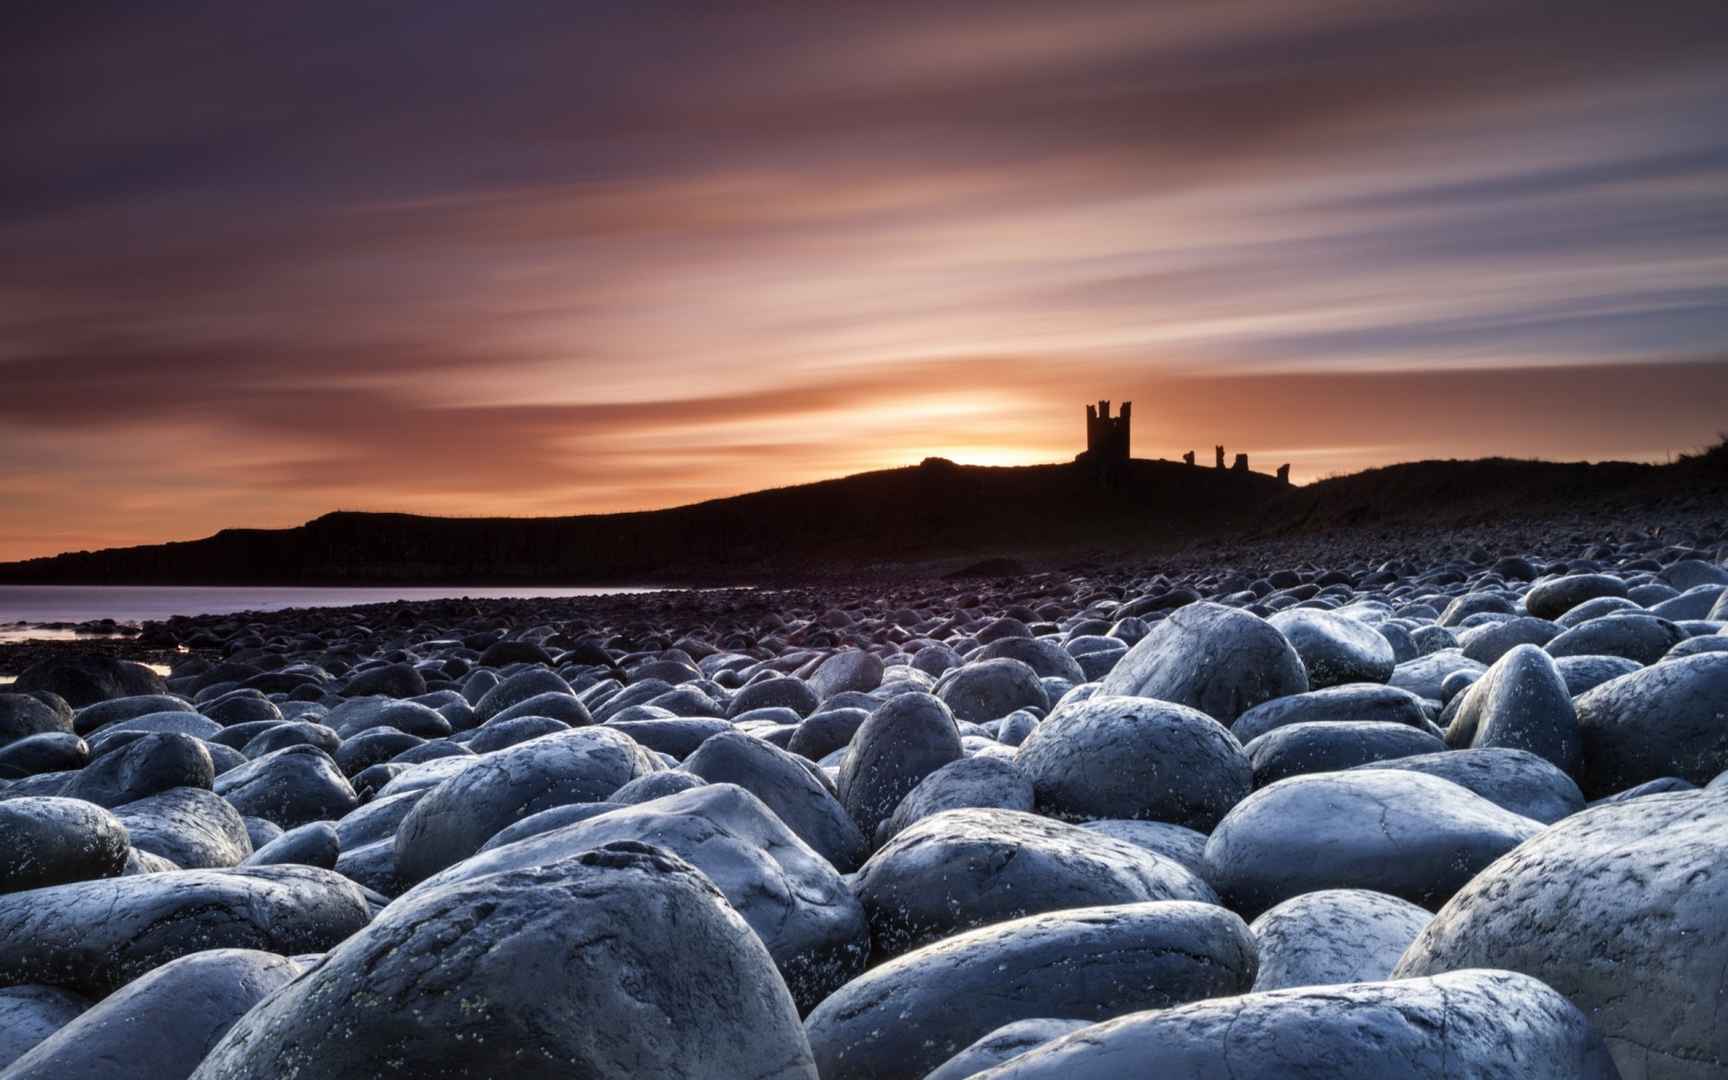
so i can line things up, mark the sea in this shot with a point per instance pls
(25, 608)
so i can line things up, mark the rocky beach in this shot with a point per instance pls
(1356, 803)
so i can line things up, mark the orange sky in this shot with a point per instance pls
(268, 263)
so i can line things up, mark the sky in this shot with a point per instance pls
(263, 261)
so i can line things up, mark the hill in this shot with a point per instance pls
(919, 518)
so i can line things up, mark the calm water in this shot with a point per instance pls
(134, 603)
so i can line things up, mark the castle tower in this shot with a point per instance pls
(1107, 437)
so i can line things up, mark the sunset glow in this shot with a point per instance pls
(467, 260)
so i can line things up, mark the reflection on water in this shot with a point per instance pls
(135, 603)
(20, 632)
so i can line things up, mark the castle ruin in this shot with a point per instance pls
(1107, 436)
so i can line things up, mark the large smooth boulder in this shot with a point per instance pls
(1670, 719)
(1004, 1044)
(518, 688)
(848, 669)
(1360, 702)
(904, 1018)
(312, 844)
(1425, 675)
(1635, 636)
(22, 715)
(962, 869)
(1134, 757)
(1555, 597)
(903, 741)
(388, 680)
(576, 766)
(290, 787)
(779, 692)
(1334, 936)
(30, 1014)
(50, 751)
(150, 764)
(92, 718)
(1217, 659)
(623, 961)
(803, 911)
(192, 828)
(45, 840)
(984, 690)
(1520, 703)
(163, 1024)
(95, 936)
(983, 780)
(1624, 909)
(1478, 1024)
(1297, 749)
(1516, 780)
(1184, 845)
(86, 678)
(1335, 649)
(787, 788)
(1585, 673)
(1486, 644)
(1410, 835)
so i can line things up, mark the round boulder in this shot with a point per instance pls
(624, 961)
(902, 1019)
(1217, 659)
(1624, 909)
(1334, 936)
(1485, 1024)
(962, 869)
(1134, 757)
(1335, 649)
(1409, 835)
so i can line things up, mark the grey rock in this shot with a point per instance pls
(1217, 659)
(900, 744)
(1516, 780)
(656, 976)
(1409, 835)
(1488, 1024)
(1335, 649)
(1297, 749)
(979, 781)
(312, 844)
(1357, 702)
(290, 787)
(985, 690)
(1643, 638)
(96, 936)
(1520, 703)
(1621, 909)
(962, 869)
(904, 1018)
(1334, 936)
(1670, 719)
(1006, 1042)
(1133, 757)
(790, 896)
(30, 1014)
(785, 787)
(1555, 597)
(46, 840)
(148, 765)
(162, 1024)
(192, 828)
(576, 766)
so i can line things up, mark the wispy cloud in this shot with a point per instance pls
(501, 258)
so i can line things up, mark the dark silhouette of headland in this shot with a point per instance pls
(1105, 503)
